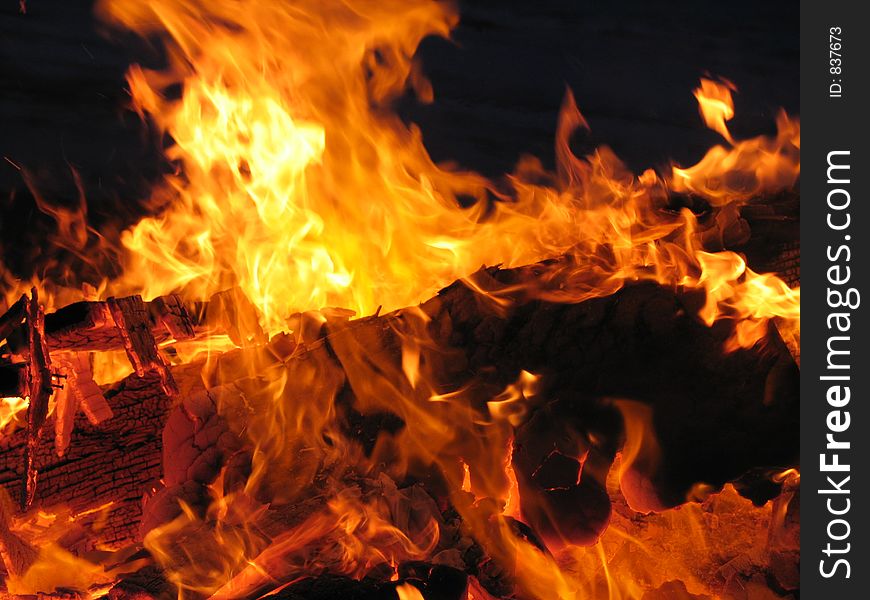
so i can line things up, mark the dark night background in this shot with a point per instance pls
(498, 86)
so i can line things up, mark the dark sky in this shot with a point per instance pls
(632, 67)
(498, 87)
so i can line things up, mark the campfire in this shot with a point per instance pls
(325, 366)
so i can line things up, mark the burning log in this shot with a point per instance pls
(79, 392)
(39, 391)
(101, 326)
(132, 322)
(642, 344)
(135, 326)
(114, 462)
(12, 318)
(480, 432)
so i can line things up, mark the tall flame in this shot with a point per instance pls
(297, 183)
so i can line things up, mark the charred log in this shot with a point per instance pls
(642, 344)
(112, 464)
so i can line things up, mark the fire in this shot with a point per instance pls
(237, 557)
(406, 591)
(683, 545)
(304, 200)
(749, 167)
(10, 408)
(714, 100)
(32, 549)
(298, 185)
(735, 291)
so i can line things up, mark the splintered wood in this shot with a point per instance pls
(171, 312)
(39, 392)
(133, 322)
(157, 440)
(79, 392)
(52, 355)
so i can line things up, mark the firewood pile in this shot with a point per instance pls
(254, 389)
(635, 368)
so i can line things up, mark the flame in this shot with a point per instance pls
(688, 544)
(714, 100)
(56, 568)
(31, 547)
(749, 167)
(406, 591)
(640, 456)
(788, 475)
(10, 409)
(236, 556)
(511, 405)
(735, 291)
(297, 184)
(466, 478)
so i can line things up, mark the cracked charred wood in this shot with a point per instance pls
(133, 323)
(95, 326)
(91, 326)
(39, 392)
(774, 246)
(170, 311)
(642, 344)
(13, 318)
(112, 463)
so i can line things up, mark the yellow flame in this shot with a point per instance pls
(406, 591)
(10, 409)
(714, 100)
(57, 568)
(298, 184)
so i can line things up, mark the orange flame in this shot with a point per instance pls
(406, 591)
(714, 100)
(10, 408)
(297, 184)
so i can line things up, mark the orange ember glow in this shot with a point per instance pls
(299, 186)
